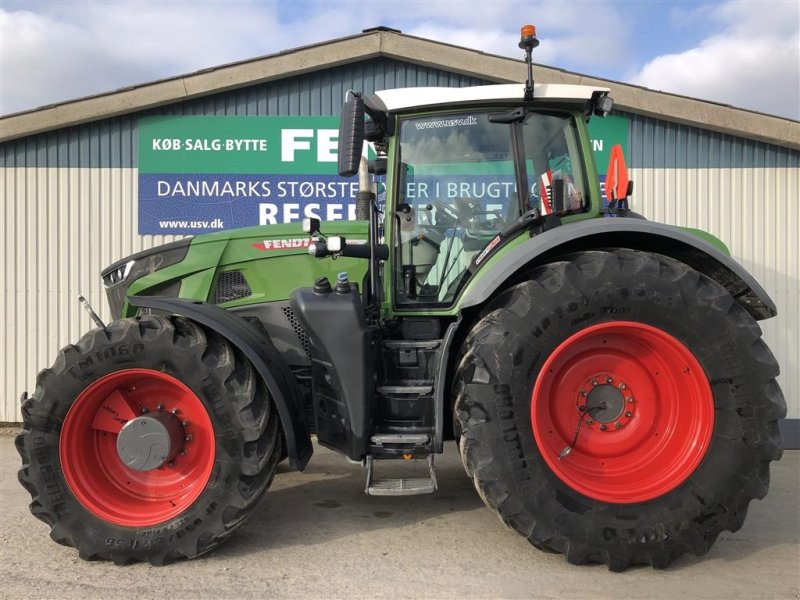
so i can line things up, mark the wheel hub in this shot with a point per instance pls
(150, 440)
(606, 403)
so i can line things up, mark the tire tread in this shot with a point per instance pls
(484, 461)
(255, 419)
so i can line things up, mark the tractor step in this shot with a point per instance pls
(400, 439)
(418, 390)
(401, 487)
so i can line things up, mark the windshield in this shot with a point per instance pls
(457, 191)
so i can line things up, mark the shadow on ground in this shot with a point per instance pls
(327, 502)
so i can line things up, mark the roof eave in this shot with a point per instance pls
(663, 105)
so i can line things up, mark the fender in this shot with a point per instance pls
(632, 233)
(261, 353)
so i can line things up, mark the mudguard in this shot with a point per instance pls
(261, 353)
(635, 234)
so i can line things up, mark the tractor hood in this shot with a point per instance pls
(235, 267)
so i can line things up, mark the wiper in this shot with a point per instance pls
(521, 222)
(532, 217)
(514, 116)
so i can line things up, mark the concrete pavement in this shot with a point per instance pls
(317, 535)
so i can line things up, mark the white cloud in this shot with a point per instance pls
(753, 63)
(84, 48)
(54, 51)
(570, 33)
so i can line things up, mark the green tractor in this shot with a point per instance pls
(603, 376)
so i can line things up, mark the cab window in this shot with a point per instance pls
(457, 190)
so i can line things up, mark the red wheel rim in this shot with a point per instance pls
(644, 405)
(93, 469)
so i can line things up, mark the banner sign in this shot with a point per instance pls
(605, 133)
(199, 174)
(204, 173)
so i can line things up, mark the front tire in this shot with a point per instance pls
(618, 407)
(113, 493)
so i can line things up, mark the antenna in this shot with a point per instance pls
(528, 41)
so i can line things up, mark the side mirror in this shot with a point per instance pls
(602, 104)
(351, 134)
(618, 186)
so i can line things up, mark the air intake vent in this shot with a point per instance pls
(231, 285)
(298, 329)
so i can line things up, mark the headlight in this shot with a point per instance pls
(118, 277)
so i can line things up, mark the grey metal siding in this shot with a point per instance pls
(657, 144)
(70, 208)
(59, 228)
(755, 212)
(113, 143)
(69, 202)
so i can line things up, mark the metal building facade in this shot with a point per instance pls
(70, 207)
(745, 193)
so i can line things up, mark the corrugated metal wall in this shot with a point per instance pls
(114, 142)
(70, 209)
(744, 192)
(61, 226)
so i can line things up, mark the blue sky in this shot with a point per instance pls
(744, 53)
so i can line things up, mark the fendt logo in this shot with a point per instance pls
(295, 243)
(284, 244)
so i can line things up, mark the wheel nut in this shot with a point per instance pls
(188, 438)
(584, 394)
(622, 386)
(185, 422)
(590, 421)
(160, 407)
(184, 452)
(609, 380)
(617, 425)
(145, 409)
(628, 413)
(582, 408)
(594, 382)
(603, 427)
(629, 399)
(174, 411)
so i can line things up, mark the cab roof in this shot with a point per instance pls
(404, 99)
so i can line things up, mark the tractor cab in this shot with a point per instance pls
(464, 178)
(468, 172)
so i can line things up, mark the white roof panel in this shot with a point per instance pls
(406, 98)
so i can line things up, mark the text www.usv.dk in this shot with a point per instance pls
(215, 224)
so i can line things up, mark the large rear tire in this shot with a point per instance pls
(618, 407)
(138, 500)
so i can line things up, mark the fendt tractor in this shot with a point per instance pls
(603, 375)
